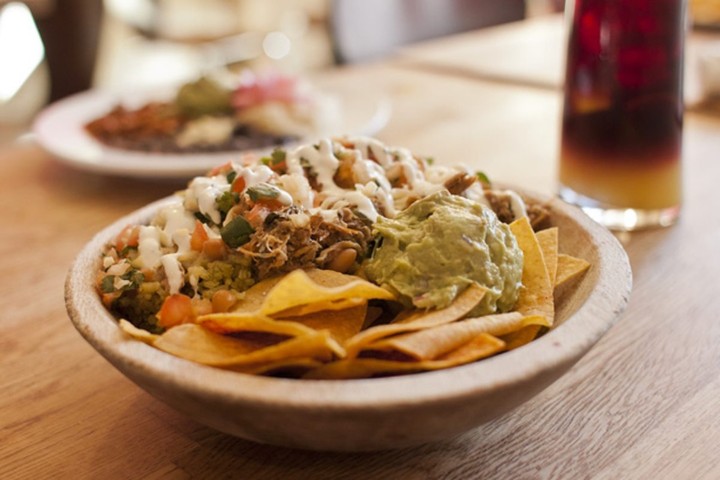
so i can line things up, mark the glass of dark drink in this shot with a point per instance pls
(623, 111)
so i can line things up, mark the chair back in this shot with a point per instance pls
(366, 29)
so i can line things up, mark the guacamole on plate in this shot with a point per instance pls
(440, 245)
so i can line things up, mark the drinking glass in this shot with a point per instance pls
(621, 140)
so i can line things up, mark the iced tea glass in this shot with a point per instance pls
(621, 138)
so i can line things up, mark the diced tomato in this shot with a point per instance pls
(109, 298)
(214, 248)
(176, 310)
(256, 216)
(128, 237)
(279, 167)
(199, 237)
(238, 185)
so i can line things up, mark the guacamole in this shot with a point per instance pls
(440, 245)
(203, 97)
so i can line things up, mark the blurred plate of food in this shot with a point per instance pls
(181, 131)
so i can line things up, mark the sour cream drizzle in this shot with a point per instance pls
(202, 194)
(374, 168)
(254, 175)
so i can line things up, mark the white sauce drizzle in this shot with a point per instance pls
(174, 271)
(254, 175)
(202, 193)
(374, 168)
(321, 160)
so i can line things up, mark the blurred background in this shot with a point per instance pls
(53, 48)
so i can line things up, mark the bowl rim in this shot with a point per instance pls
(565, 343)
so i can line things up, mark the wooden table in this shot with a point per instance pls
(644, 403)
(532, 54)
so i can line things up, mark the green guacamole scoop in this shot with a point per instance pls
(437, 247)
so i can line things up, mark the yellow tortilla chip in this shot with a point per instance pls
(548, 241)
(234, 322)
(313, 289)
(253, 298)
(536, 295)
(342, 324)
(522, 337)
(479, 347)
(137, 333)
(339, 304)
(432, 343)
(419, 319)
(476, 348)
(569, 268)
(195, 343)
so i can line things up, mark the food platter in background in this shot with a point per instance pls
(60, 130)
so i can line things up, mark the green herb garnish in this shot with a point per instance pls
(237, 232)
(483, 179)
(231, 175)
(202, 218)
(278, 156)
(226, 201)
(108, 284)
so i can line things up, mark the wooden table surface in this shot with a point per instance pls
(532, 54)
(644, 403)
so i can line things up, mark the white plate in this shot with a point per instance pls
(59, 129)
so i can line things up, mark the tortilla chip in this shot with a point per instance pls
(319, 290)
(137, 333)
(234, 322)
(340, 304)
(342, 324)
(195, 343)
(476, 348)
(536, 295)
(569, 268)
(433, 343)
(548, 241)
(253, 298)
(330, 278)
(479, 347)
(522, 337)
(419, 319)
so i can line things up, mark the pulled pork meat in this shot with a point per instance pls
(501, 204)
(290, 239)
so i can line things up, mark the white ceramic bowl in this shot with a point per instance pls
(371, 414)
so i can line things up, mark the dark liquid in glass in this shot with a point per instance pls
(623, 109)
